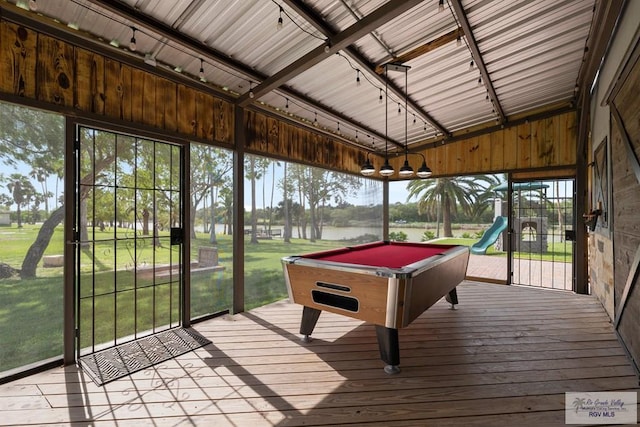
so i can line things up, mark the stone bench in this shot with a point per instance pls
(207, 263)
(49, 261)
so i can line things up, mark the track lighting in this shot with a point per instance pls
(471, 65)
(315, 119)
(358, 78)
(286, 105)
(380, 98)
(458, 40)
(327, 46)
(399, 109)
(132, 43)
(440, 5)
(251, 94)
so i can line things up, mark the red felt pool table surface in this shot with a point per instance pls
(382, 254)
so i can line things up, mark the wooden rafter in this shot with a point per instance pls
(424, 49)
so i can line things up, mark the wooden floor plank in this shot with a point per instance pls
(505, 356)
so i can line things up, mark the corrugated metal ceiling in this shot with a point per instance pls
(532, 50)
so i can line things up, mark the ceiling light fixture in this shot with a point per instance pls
(440, 5)
(458, 40)
(132, 43)
(380, 98)
(471, 65)
(358, 78)
(406, 171)
(33, 5)
(251, 94)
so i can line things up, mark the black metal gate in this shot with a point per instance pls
(129, 221)
(542, 242)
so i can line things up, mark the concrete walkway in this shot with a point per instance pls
(542, 274)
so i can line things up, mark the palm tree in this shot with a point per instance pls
(22, 191)
(450, 195)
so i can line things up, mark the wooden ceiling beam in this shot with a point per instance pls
(424, 49)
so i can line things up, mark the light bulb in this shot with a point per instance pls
(279, 25)
(132, 44)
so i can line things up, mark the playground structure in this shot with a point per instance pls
(490, 236)
(529, 220)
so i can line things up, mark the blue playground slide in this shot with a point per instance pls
(490, 236)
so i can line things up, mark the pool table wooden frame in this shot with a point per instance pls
(390, 298)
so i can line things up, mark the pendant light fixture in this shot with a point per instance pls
(406, 171)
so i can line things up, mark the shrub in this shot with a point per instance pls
(428, 235)
(398, 236)
(466, 235)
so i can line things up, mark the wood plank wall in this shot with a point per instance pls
(537, 144)
(68, 78)
(626, 205)
(59, 74)
(273, 137)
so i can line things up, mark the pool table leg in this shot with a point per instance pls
(389, 348)
(309, 319)
(452, 298)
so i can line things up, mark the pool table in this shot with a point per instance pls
(388, 284)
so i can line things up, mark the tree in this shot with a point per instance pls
(450, 194)
(255, 167)
(22, 192)
(210, 169)
(318, 187)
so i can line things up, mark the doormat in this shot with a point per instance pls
(116, 362)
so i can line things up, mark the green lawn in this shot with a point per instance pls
(557, 251)
(31, 310)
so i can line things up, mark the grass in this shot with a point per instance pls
(31, 310)
(557, 251)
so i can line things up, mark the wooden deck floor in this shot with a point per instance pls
(505, 357)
